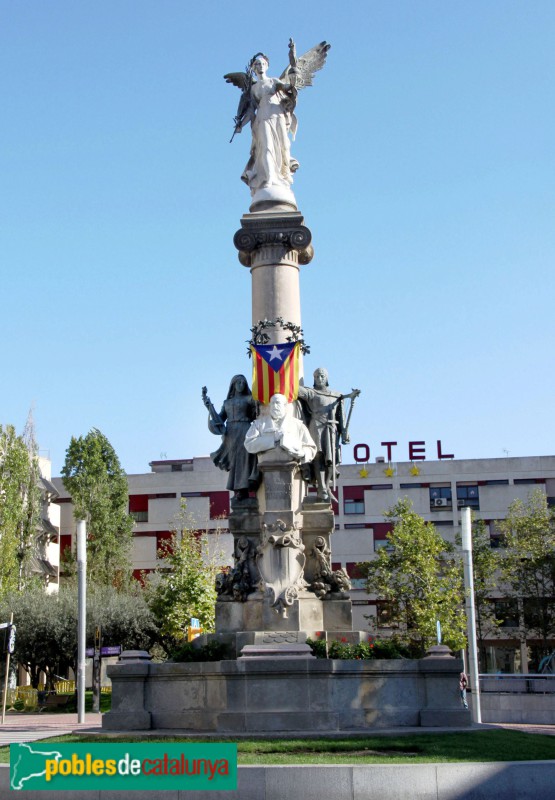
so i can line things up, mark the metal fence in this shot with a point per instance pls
(517, 683)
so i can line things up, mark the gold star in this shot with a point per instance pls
(414, 470)
(363, 472)
(389, 471)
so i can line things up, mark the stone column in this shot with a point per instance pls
(273, 245)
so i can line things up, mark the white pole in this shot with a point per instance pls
(7, 675)
(81, 616)
(470, 614)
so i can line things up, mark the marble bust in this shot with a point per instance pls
(279, 429)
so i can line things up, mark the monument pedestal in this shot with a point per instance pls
(286, 693)
(282, 545)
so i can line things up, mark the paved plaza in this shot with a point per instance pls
(23, 727)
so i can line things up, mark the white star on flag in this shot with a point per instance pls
(275, 353)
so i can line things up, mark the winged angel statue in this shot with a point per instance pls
(269, 105)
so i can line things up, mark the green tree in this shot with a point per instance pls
(420, 580)
(185, 586)
(19, 507)
(44, 624)
(93, 476)
(46, 640)
(529, 566)
(124, 617)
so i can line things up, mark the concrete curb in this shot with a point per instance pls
(525, 780)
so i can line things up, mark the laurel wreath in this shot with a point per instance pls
(259, 333)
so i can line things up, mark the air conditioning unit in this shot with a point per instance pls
(441, 502)
(461, 503)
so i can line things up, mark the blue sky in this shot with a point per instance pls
(427, 178)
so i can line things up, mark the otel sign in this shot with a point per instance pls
(417, 451)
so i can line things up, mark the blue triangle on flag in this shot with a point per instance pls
(275, 354)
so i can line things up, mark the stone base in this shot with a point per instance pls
(338, 615)
(257, 614)
(273, 198)
(444, 718)
(285, 694)
(276, 650)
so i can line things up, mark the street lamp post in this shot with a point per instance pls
(470, 613)
(81, 616)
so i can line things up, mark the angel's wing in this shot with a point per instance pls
(239, 79)
(308, 64)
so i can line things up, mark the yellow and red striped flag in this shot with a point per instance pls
(275, 370)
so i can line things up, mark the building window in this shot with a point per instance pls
(353, 499)
(138, 507)
(353, 570)
(527, 481)
(440, 498)
(496, 483)
(356, 575)
(380, 544)
(65, 544)
(141, 575)
(506, 613)
(496, 537)
(353, 506)
(410, 486)
(219, 505)
(164, 541)
(536, 610)
(468, 497)
(177, 467)
(380, 531)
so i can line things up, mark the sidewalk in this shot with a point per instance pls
(24, 727)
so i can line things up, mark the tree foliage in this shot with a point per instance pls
(185, 586)
(19, 507)
(93, 476)
(420, 580)
(46, 640)
(529, 565)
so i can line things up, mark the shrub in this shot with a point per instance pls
(365, 651)
(212, 651)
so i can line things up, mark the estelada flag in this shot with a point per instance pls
(275, 370)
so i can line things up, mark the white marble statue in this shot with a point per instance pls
(279, 429)
(268, 104)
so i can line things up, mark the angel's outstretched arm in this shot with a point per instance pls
(304, 67)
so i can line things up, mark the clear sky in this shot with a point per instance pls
(427, 151)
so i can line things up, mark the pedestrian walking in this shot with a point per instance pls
(463, 683)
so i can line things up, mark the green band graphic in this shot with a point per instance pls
(58, 766)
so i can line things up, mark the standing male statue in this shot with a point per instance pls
(328, 427)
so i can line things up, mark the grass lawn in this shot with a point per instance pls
(487, 745)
